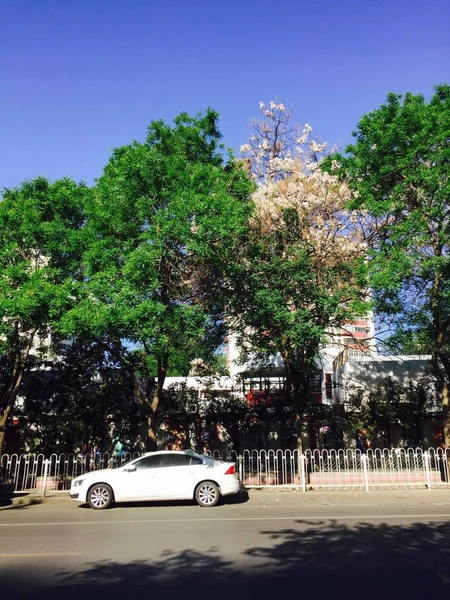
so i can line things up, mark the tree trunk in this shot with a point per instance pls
(187, 436)
(13, 390)
(313, 434)
(440, 328)
(445, 395)
(442, 374)
(299, 431)
(235, 436)
(445, 392)
(152, 441)
(3, 420)
(298, 389)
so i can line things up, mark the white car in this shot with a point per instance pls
(167, 475)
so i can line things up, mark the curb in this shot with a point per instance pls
(31, 499)
(21, 501)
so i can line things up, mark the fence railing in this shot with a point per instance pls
(324, 469)
(26, 472)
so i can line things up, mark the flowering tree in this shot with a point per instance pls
(302, 271)
(275, 142)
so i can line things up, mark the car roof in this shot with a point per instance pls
(188, 452)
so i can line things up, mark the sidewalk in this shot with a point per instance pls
(266, 497)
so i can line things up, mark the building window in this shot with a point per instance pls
(328, 386)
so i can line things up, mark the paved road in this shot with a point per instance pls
(330, 545)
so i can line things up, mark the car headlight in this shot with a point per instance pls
(78, 482)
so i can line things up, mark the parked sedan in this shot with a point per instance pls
(168, 475)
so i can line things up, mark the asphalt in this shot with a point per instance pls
(389, 544)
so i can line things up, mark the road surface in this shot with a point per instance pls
(381, 545)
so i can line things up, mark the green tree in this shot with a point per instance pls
(82, 400)
(166, 217)
(408, 341)
(389, 406)
(399, 167)
(40, 230)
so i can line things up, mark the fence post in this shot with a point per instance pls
(426, 458)
(240, 461)
(365, 471)
(303, 472)
(44, 483)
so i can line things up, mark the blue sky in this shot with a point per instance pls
(78, 77)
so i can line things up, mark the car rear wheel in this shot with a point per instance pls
(100, 496)
(207, 494)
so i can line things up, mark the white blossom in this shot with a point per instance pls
(315, 147)
(335, 165)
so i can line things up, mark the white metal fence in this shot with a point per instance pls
(324, 469)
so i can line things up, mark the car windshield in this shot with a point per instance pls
(126, 461)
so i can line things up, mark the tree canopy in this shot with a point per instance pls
(399, 169)
(40, 263)
(179, 242)
(163, 222)
(302, 269)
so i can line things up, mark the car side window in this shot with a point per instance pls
(149, 462)
(180, 460)
(176, 460)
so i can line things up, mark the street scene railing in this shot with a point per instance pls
(314, 469)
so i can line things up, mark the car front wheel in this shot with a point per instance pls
(207, 494)
(100, 496)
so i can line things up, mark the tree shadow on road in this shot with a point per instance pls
(311, 559)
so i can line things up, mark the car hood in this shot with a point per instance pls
(94, 474)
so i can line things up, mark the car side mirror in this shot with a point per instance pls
(130, 469)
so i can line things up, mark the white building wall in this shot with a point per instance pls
(363, 373)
